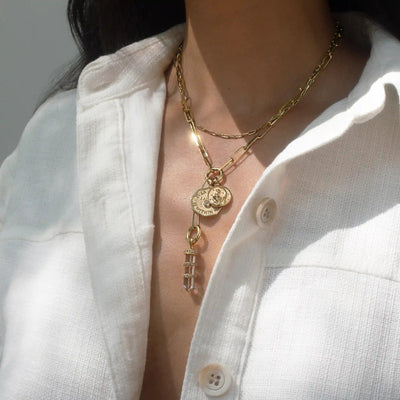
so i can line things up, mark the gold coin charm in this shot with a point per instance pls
(202, 205)
(219, 196)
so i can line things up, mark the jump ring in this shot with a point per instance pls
(214, 175)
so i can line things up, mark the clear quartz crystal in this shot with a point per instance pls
(189, 269)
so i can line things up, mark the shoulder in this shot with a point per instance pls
(51, 126)
(58, 109)
(38, 179)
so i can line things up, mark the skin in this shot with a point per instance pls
(242, 60)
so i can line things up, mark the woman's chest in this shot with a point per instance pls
(173, 310)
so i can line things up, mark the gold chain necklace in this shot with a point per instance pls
(212, 196)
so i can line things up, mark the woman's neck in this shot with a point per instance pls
(243, 57)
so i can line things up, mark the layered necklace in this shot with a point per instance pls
(212, 196)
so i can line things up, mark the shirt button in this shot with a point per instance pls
(266, 211)
(215, 380)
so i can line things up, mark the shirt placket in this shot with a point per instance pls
(223, 331)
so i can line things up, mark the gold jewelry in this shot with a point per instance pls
(335, 42)
(209, 199)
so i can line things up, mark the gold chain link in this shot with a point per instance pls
(261, 131)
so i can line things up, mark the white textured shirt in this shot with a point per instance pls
(304, 305)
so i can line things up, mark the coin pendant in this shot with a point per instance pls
(202, 205)
(219, 196)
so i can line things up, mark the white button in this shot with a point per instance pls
(215, 380)
(266, 211)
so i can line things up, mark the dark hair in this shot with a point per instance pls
(101, 27)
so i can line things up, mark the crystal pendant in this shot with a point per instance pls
(190, 265)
